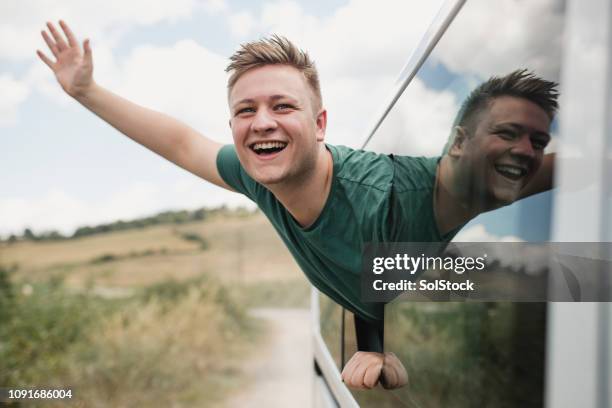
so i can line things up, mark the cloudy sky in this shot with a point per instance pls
(62, 167)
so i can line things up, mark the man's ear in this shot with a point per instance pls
(321, 124)
(456, 149)
(229, 122)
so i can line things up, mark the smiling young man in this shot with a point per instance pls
(278, 125)
(327, 201)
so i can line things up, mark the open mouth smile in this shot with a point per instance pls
(511, 172)
(267, 148)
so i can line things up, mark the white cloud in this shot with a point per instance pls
(13, 92)
(359, 39)
(214, 6)
(352, 103)
(478, 233)
(419, 124)
(63, 211)
(365, 40)
(241, 24)
(185, 80)
(23, 20)
(498, 37)
(56, 209)
(287, 16)
(41, 80)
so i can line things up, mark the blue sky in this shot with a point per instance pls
(62, 167)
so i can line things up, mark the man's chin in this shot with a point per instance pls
(268, 179)
(504, 198)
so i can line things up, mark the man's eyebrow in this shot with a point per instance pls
(277, 97)
(273, 98)
(521, 128)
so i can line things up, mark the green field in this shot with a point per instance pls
(152, 316)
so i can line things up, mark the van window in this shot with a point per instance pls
(473, 354)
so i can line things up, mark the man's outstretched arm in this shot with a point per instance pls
(158, 132)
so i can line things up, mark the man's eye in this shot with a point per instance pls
(539, 144)
(283, 106)
(506, 134)
(245, 110)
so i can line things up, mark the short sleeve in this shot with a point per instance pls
(232, 173)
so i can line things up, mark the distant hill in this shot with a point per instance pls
(165, 217)
(232, 245)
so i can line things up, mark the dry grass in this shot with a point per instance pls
(182, 354)
(179, 341)
(42, 255)
(243, 249)
(181, 347)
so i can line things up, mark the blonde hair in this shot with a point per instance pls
(274, 50)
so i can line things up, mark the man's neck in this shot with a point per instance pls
(451, 206)
(305, 199)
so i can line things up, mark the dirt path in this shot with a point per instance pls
(280, 373)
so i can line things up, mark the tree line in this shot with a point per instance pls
(165, 217)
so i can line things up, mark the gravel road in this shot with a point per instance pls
(280, 375)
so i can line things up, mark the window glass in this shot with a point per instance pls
(477, 354)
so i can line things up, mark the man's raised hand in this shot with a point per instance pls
(72, 67)
(160, 133)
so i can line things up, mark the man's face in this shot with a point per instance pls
(275, 128)
(505, 151)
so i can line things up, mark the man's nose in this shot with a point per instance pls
(523, 147)
(263, 122)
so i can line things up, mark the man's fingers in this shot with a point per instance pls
(389, 370)
(394, 372)
(356, 380)
(59, 40)
(348, 371)
(45, 59)
(350, 374)
(71, 38)
(50, 43)
(389, 377)
(87, 51)
(349, 368)
(371, 375)
(363, 370)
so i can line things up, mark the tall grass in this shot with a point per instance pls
(173, 344)
(38, 323)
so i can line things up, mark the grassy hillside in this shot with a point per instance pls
(142, 317)
(237, 248)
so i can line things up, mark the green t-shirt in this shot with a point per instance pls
(373, 198)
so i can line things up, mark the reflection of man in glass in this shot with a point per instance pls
(494, 157)
(496, 149)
